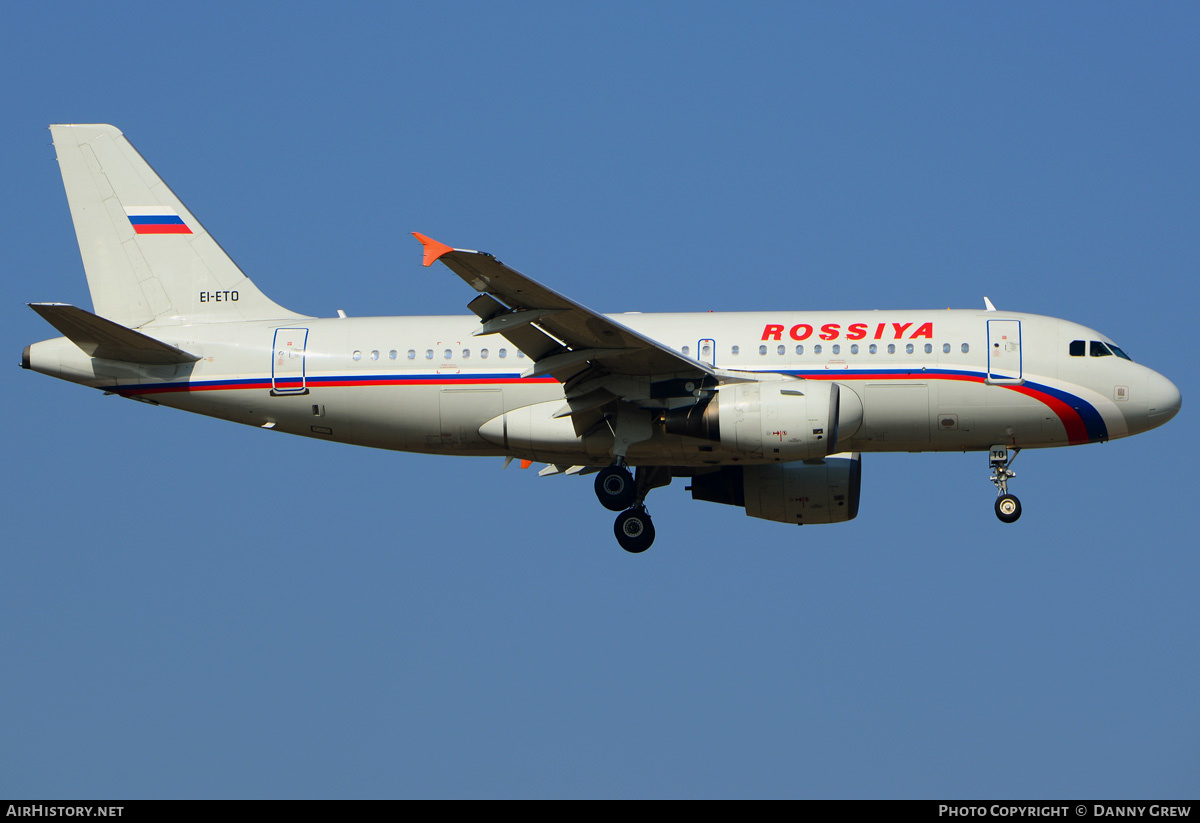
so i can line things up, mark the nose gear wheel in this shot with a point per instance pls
(1008, 507)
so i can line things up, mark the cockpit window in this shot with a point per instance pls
(1078, 348)
(1098, 349)
(1117, 351)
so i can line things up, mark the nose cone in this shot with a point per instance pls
(1163, 399)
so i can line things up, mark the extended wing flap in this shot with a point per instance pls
(525, 304)
(98, 337)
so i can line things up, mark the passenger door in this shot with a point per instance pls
(1004, 352)
(287, 361)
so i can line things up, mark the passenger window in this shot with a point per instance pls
(1077, 348)
(945, 348)
(357, 355)
(762, 349)
(873, 349)
(854, 348)
(392, 354)
(799, 350)
(929, 348)
(705, 351)
(429, 354)
(908, 349)
(447, 354)
(735, 350)
(520, 353)
(685, 351)
(503, 353)
(375, 354)
(483, 353)
(837, 348)
(966, 347)
(782, 349)
(412, 354)
(1099, 349)
(466, 354)
(817, 349)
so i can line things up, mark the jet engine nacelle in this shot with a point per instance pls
(815, 491)
(779, 419)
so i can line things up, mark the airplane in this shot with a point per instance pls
(767, 411)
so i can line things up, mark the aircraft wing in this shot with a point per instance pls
(564, 339)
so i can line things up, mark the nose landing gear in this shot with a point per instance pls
(1008, 507)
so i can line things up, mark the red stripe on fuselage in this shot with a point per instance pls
(294, 383)
(1076, 429)
(834, 374)
(190, 387)
(448, 381)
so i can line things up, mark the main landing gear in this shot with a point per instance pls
(1008, 507)
(618, 490)
(634, 530)
(615, 488)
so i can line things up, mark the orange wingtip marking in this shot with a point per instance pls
(433, 249)
(526, 464)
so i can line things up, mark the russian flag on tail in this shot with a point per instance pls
(155, 220)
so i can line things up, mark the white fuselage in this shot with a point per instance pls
(917, 380)
(766, 411)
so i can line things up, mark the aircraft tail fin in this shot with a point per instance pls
(148, 260)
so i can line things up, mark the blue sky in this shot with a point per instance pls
(197, 609)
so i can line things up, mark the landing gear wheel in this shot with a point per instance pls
(615, 488)
(634, 530)
(1008, 508)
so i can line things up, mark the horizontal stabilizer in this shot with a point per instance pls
(108, 340)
